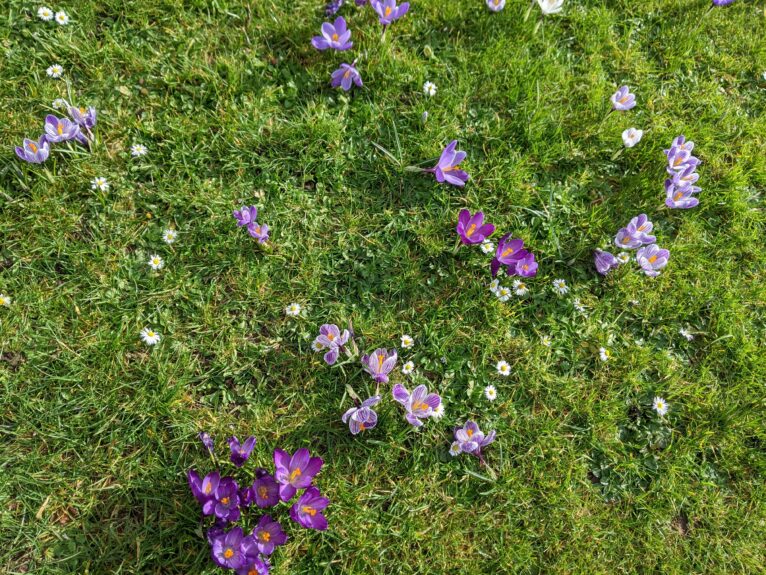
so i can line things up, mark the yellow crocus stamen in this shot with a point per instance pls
(32, 147)
(381, 359)
(60, 128)
(507, 252)
(295, 473)
(388, 11)
(471, 229)
(334, 37)
(652, 259)
(265, 536)
(310, 510)
(677, 196)
(469, 432)
(229, 553)
(225, 500)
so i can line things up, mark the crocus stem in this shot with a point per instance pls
(457, 246)
(529, 11)
(383, 36)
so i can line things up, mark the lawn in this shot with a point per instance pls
(235, 108)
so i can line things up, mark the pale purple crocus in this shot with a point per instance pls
(380, 363)
(345, 76)
(471, 439)
(331, 339)
(680, 197)
(207, 441)
(625, 240)
(472, 229)
(60, 129)
(687, 176)
(335, 36)
(267, 534)
(388, 11)
(241, 452)
(722, 2)
(34, 152)
(652, 258)
(296, 472)
(203, 489)
(682, 143)
(307, 511)
(226, 549)
(622, 99)
(496, 5)
(363, 417)
(255, 563)
(525, 267)
(448, 168)
(679, 159)
(86, 118)
(258, 231)
(639, 227)
(419, 404)
(246, 215)
(604, 261)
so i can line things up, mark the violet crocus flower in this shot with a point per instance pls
(448, 168)
(687, 176)
(226, 549)
(604, 261)
(246, 215)
(419, 404)
(380, 363)
(295, 472)
(496, 5)
(639, 227)
(680, 198)
(307, 511)
(259, 231)
(267, 534)
(722, 2)
(652, 258)
(334, 36)
(86, 118)
(240, 452)
(525, 267)
(226, 500)
(215, 531)
(622, 99)
(682, 143)
(34, 152)
(265, 490)
(331, 339)
(388, 11)
(254, 563)
(679, 159)
(625, 240)
(472, 229)
(362, 417)
(206, 440)
(471, 439)
(345, 76)
(204, 489)
(509, 252)
(60, 129)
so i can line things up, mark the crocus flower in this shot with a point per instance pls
(681, 198)
(362, 417)
(472, 229)
(379, 364)
(448, 168)
(254, 563)
(604, 261)
(631, 137)
(202, 489)
(622, 99)
(307, 511)
(496, 5)
(722, 2)
(86, 118)
(226, 500)
(525, 267)
(267, 534)
(215, 531)
(345, 75)
(639, 227)
(681, 142)
(240, 452)
(419, 404)
(206, 440)
(334, 36)
(680, 159)
(388, 11)
(246, 215)
(34, 152)
(265, 490)
(624, 239)
(651, 259)
(331, 339)
(687, 176)
(471, 439)
(550, 6)
(333, 6)
(259, 231)
(227, 549)
(60, 129)
(296, 472)
(509, 251)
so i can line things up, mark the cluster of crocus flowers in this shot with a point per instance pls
(228, 501)
(246, 216)
(682, 171)
(58, 130)
(418, 405)
(518, 261)
(380, 363)
(623, 100)
(635, 236)
(448, 169)
(332, 341)
(471, 228)
(470, 439)
(363, 417)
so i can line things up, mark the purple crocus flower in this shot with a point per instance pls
(226, 500)
(679, 159)
(471, 439)
(604, 261)
(651, 259)
(34, 152)
(206, 440)
(86, 118)
(215, 531)
(345, 75)
(60, 129)
(419, 404)
(525, 267)
(448, 168)
(625, 240)
(334, 36)
(680, 197)
(204, 490)
(687, 176)
(227, 549)
(682, 143)
(246, 215)
(240, 453)
(722, 2)
(472, 229)
(307, 511)
(622, 99)
(388, 11)
(362, 417)
(259, 231)
(254, 563)
(379, 364)
(268, 534)
(296, 472)
(333, 6)
(496, 5)
(509, 252)
(265, 490)
(639, 227)
(331, 339)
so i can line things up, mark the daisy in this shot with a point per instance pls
(316, 345)
(55, 71)
(578, 305)
(503, 368)
(490, 392)
(169, 236)
(660, 406)
(99, 184)
(520, 288)
(60, 104)
(156, 262)
(494, 285)
(604, 354)
(294, 309)
(487, 246)
(454, 449)
(5, 300)
(686, 333)
(138, 150)
(623, 257)
(503, 293)
(545, 340)
(45, 13)
(429, 88)
(407, 342)
(61, 18)
(438, 413)
(560, 287)
(408, 368)
(150, 336)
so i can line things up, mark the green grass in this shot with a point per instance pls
(234, 104)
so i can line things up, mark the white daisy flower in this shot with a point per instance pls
(560, 287)
(545, 340)
(429, 88)
(623, 257)
(169, 236)
(407, 342)
(520, 288)
(640, 342)
(408, 368)
(60, 104)
(45, 13)
(635, 302)
(550, 6)
(686, 333)
(438, 413)
(61, 18)
(454, 449)
(99, 184)
(660, 406)
(578, 305)
(293, 310)
(631, 137)
(55, 71)
(487, 246)
(138, 150)
(503, 293)
(490, 392)
(604, 354)
(156, 262)
(5, 301)
(494, 285)
(150, 336)
(503, 368)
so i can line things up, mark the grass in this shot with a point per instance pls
(234, 105)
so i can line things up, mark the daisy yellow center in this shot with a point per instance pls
(310, 510)
(225, 500)
(335, 37)
(652, 259)
(263, 492)
(471, 229)
(388, 10)
(150, 334)
(295, 473)
(265, 536)
(229, 553)
(60, 128)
